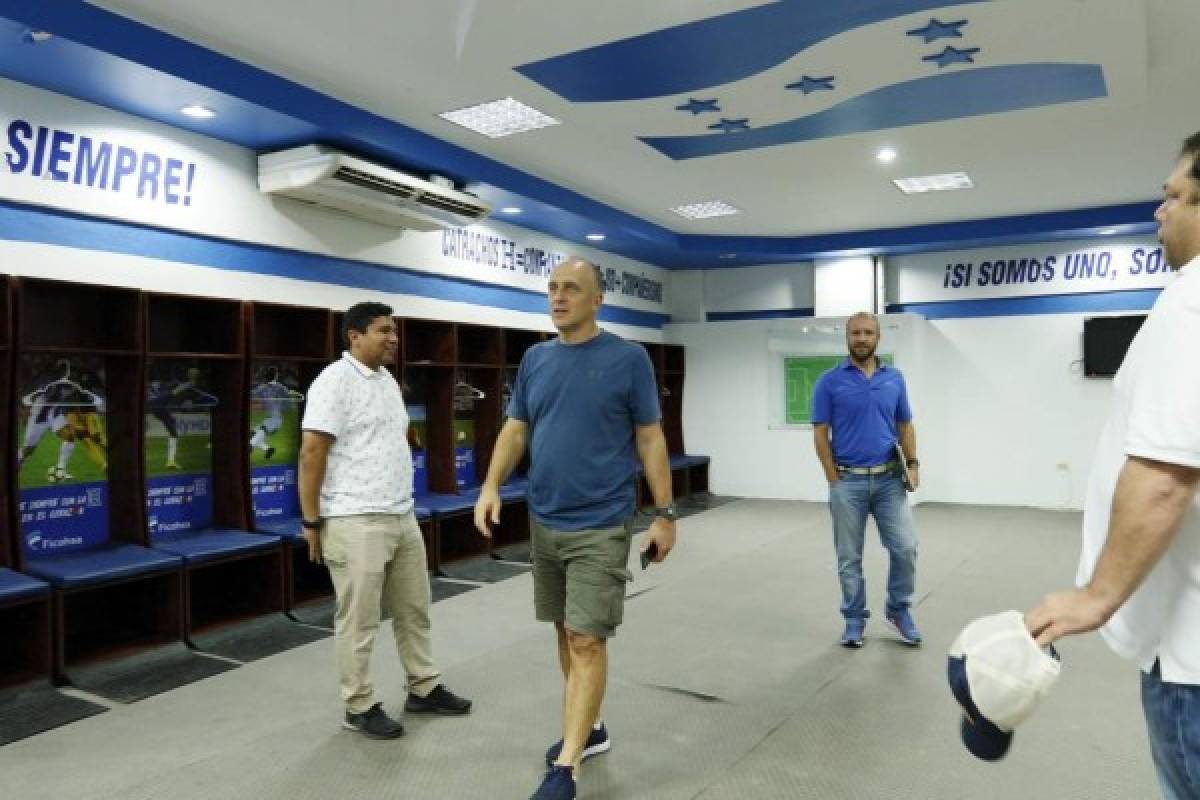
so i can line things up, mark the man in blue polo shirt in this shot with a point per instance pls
(864, 403)
(585, 406)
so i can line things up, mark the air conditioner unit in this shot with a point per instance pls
(328, 178)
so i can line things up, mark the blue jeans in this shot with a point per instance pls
(1173, 722)
(883, 497)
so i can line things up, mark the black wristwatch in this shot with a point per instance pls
(912, 462)
(313, 524)
(667, 512)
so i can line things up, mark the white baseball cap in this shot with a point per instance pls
(998, 674)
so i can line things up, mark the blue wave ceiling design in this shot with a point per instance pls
(710, 52)
(966, 93)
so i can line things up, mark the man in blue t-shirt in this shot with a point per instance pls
(586, 406)
(865, 404)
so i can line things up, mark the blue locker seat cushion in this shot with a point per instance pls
(287, 527)
(511, 492)
(442, 505)
(106, 563)
(212, 544)
(516, 488)
(18, 588)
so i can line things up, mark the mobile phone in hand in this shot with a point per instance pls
(649, 554)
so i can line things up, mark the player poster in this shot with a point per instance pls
(417, 433)
(62, 452)
(178, 446)
(275, 402)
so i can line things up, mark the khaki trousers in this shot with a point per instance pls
(377, 561)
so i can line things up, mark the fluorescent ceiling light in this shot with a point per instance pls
(595, 237)
(197, 111)
(510, 210)
(934, 183)
(886, 155)
(499, 118)
(706, 209)
(1106, 231)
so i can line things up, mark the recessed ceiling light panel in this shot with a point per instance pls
(499, 118)
(196, 111)
(921, 184)
(706, 209)
(886, 155)
(595, 237)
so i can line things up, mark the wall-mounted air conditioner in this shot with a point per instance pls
(328, 178)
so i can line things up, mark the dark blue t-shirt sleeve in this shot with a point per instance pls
(644, 390)
(903, 411)
(822, 402)
(517, 408)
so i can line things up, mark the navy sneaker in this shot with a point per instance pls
(373, 723)
(853, 635)
(440, 701)
(597, 743)
(559, 784)
(902, 623)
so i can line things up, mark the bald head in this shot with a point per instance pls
(575, 291)
(582, 270)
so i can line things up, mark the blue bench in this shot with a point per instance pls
(287, 528)
(444, 505)
(16, 588)
(213, 544)
(689, 474)
(107, 562)
(25, 628)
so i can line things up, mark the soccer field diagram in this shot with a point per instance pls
(285, 442)
(800, 375)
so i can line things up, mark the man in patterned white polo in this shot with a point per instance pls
(356, 495)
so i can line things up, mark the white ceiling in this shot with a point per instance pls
(409, 60)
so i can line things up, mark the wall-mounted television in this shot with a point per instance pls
(1105, 341)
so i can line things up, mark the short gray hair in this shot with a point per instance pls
(863, 315)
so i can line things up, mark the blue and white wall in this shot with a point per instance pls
(93, 195)
(990, 342)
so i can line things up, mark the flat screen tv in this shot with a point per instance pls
(1105, 341)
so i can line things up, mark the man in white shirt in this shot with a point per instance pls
(1139, 572)
(356, 495)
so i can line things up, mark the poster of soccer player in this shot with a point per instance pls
(178, 446)
(417, 436)
(465, 397)
(62, 452)
(275, 401)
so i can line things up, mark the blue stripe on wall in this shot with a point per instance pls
(783, 313)
(1131, 300)
(25, 223)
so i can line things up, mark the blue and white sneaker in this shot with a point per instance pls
(902, 623)
(597, 743)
